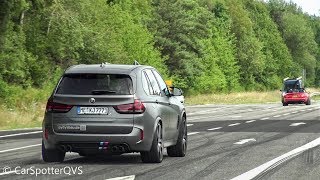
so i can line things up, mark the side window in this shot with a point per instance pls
(153, 82)
(162, 84)
(146, 84)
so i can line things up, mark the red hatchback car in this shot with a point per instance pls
(293, 93)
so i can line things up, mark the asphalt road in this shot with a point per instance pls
(263, 141)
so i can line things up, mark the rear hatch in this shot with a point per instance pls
(89, 104)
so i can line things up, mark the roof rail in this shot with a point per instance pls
(299, 78)
(136, 62)
(103, 64)
(286, 78)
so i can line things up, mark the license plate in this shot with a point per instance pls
(295, 96)
(92, 110)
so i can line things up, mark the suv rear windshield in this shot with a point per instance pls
(95, 84)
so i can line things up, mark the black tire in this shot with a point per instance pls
(155, 155)
(285, 104)
(52, 155)
(180, 149)
(308, 102)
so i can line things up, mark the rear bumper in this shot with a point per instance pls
(295, 100)
(85, 142)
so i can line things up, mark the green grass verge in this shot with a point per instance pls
(241, 97)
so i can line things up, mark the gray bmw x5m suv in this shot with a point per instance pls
(114, 109)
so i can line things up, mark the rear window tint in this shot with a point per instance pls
(95, 84)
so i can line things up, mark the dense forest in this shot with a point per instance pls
(205, 46)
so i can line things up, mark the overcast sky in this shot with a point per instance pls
(312, 7)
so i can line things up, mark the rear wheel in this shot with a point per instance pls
(308, 102)
(52, 155)
(180, 149)
(285, 104)
(155, 155)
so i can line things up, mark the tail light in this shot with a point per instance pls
(134, 108)
(57, 107)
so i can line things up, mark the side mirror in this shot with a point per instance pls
(167, 92)
(177, 92)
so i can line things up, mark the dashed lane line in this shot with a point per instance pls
(243, 141)
(266, 118)
(192, 133)
(132, 177)
(20, 134)
(212, 129)
(297, 124)
(235, 124)
(250, 121)
(276, 116)
(15, 149)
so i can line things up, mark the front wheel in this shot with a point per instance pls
(155, 155)
(285, 104)
(180, 149)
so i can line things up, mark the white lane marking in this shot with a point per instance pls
(265, 118)
(294, 112)
(235, 116)
(274, 110)
(132, 177)
(277, 161)
(250, 121)
(35, 128)
(202, 112)
(24, 147)
(249, 109)
(205, 117)
(302, 110)
(7, 172)
(297, 124)
(286, 114)
(192, 133)
(243, 141)
(212, 129)
(277, 116)
(235, 124)
(19, 134)
(189, 125)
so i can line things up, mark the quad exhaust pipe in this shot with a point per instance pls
(118, 149)
(69, 148)
(66, 148)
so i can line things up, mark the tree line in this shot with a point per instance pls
(205, 46)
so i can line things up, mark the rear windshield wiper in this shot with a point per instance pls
(100, 92)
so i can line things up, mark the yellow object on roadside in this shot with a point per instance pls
(169, 83)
